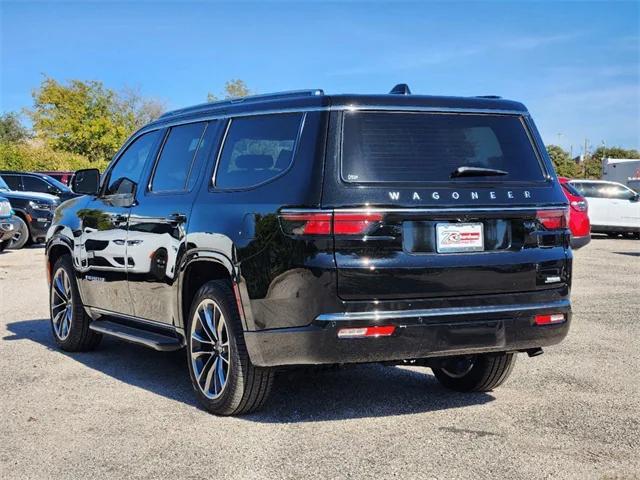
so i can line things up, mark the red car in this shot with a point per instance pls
(578, 215)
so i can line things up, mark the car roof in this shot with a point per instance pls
(316, 99)
(598, 182)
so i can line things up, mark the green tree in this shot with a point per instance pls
(11, 129)
(562, 162)
(234, 88)
(86, 118)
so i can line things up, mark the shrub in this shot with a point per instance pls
(31, 157)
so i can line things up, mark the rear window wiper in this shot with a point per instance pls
(477, 172)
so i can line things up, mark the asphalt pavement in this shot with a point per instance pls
(125, 411)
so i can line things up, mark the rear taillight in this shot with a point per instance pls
(553, 219)
(326, 223)
(354, 223)
(579, 205)
(311, 223)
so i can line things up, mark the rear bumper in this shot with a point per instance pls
(419, 334)
(579, 242)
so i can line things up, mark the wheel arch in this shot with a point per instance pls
(201, 267)
(56, 247)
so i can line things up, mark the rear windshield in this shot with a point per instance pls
(429, 147)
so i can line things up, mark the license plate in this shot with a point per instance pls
(459, 237)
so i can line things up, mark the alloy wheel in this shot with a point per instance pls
(209, 348)
(61, 304)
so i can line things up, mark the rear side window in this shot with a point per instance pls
(428, 147)
(588, 189)
(177, 157)
(571, 189)
(257, 149)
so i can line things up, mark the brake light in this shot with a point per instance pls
(553, 219)
(354, 223)
(326, 223)
(549, 319)
(311, 223)
(363, 332)
(579, 205)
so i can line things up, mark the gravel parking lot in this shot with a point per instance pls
(124, 411)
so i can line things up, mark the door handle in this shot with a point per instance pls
(176, 218)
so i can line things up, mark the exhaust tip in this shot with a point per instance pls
(534, 352)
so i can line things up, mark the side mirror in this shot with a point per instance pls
(86, 182)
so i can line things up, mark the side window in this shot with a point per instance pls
(587, 189)
(129, 165)
(177, 157)
(257, 149)
(13, 181)
(34, 184)
(617, 192)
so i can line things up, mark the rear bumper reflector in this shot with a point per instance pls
(363, 332)
(550, 319)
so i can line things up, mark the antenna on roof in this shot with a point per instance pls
(401, 89)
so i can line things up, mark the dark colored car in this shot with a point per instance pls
(303, 228)
(578, 215)
(33, 214)
(62, 177)
(6, 224)
(37, 182)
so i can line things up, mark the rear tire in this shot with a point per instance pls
(4, 245)
(222, 375)
(21, 235)
(477, 373)
(69, 321)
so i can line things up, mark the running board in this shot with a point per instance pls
(157, 341)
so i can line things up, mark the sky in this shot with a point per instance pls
(576, 65)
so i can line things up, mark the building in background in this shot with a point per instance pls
(622, 170)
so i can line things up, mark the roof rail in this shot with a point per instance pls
(247, 99)
(495, 97)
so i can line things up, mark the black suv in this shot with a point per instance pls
(33, 214)
(303, 228)
(37, 182)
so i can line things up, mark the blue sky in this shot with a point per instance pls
(576, 65)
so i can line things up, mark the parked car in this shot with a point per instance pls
(37, 182)
(6, 223)
(62, 177)
(614, 208)
(578, 215)
(315, 229)
(33, 215)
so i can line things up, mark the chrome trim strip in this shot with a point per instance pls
(423, 210)
(413, 108)
(438, 312)
(108, 313)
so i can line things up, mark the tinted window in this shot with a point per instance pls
(617, 192)
(257, 149)
(571, 189)
(13, 181)
(176, 159)
(35, 184)
(419, 147)
(130, 164)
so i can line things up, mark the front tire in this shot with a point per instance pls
(21, 235)
(69, 321)
(4, 244)
(476, 373)
(222, 375)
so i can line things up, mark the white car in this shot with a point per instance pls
(613, 207)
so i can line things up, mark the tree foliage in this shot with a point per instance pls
(86, 118)
(234, 88)
(11, 129)
(562, 161)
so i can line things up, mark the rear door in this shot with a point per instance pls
(440, 204)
